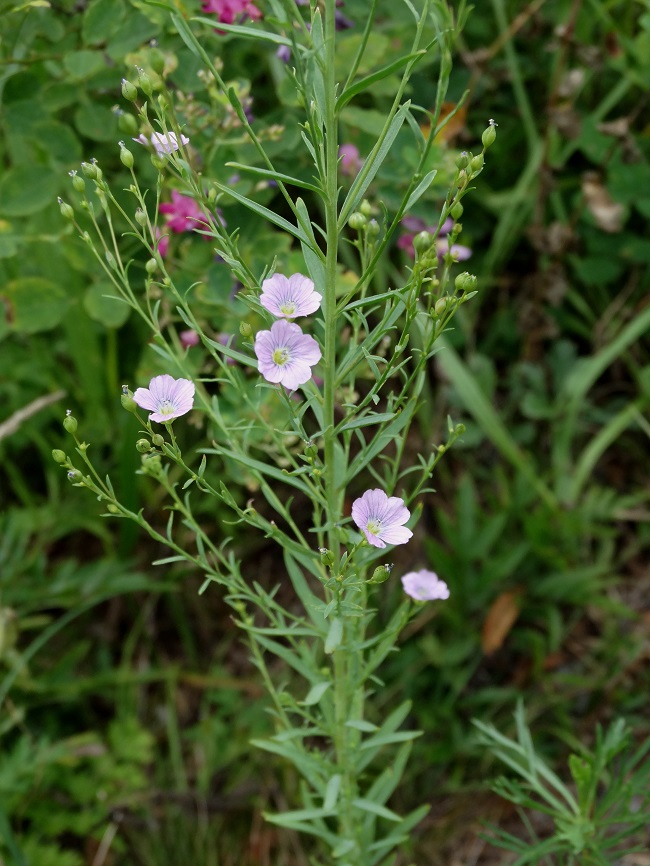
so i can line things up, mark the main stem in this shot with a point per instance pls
(346, 696)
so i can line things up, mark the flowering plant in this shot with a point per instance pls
(347, 382)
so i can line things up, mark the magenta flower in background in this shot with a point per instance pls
(415, 225)
(350, 160)
(381, 518)
(162, 242)
(289, 298)
(230, 10)
(424, 586)
(285, 354)
(166, 398)
(182, 213)
(188, 339)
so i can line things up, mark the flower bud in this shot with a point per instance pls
(440, 307)
(70, 422)
(144, 82)
(381, 573)
(126, 157)
(158, 162)
(326, 556)
(365, 207)
(158, 440)
(459, 429)
(245, 329)
(151, 267)
(311, 450)
(462, 160)
(163, 102)
(110, 260)
(466, 282)
(91, 170)
(74, 475)
(476, 163)
(372, 229)
(152, 464)
(59, 456)
(357, 221)
(141, 217)
(143, 446)
(66, 210)
(129, 91)
(489, 135)
(422, 242)
(127, 401)
(112, 508)
(78, 183)
(127, 124)
(457, 211)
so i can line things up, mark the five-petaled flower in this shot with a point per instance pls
(424, 585)
(182, 213)
(289, 298)
(285, 354)
(229, 10)
(163, 143)
(166, 398)
(381, 518)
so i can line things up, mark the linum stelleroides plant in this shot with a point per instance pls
(311, 399)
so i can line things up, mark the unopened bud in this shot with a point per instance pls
(66, 210)
(127, 124)
(422, 242)
(70, 422)
(126, 157)
(74, 476)
(141, 217)
(326, 556)
(59, 456)
(456, 211)
(245, 329)
(459, 429)
(110, 260)
(462, 160)
(129, 91)
(127, 401)
(144, 82)
(151, 267)
(158, 162)
(477, 162)
(381, 573)
(357, 221)
(365, 207)
(163, 102)
(466, 282)
(91, 170)
(311, 450)
(158, 440)
(143, 446)
(440, 306)
(372, 229)
(112, 508)
(78, 183)
(489, 135)
(152, 464)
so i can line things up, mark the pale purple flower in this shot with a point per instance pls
(285, 354)
(283, 53)
(350, 160)
(162, 142)
(189, 339)
(457, 251)
(381, 518)
(288, 298)
(424, 586)
(166, 398)
(415, 225)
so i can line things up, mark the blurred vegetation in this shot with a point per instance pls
(127, 700)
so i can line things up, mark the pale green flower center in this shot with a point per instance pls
(288, 308)
(281, 356)
(374, 526)
(166, 407)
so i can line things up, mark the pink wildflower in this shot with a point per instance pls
(350, 160)
(285, 354)
(424, 586)
(289, 298)
(182, 213)
(381, 518)
(162, 242)
(166, 398)
(229, 10)
(188, 339)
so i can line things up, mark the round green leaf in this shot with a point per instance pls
(108, 311)
(101, 20)
(35, 304)
(83, 64)
(27, 189)
(96, 122)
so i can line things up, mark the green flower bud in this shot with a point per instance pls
(126, 157)
(66, 210)
(110, 260)
(381, 574)
(141, 217)
(91, 170)
(144, 82)
(441, 306)
(143, 446)
(459, 429)
(357, 221)
(441, 449)
(78, 183)
(365, 207)
(476, 163)
(163, 102)
(112, 508)
(466, 282)
(158, 162)
(422, 242)
(372, 229)
(151, 267)
(462, 160)
(59, 456)
(456, 211)
(127, 124)
(70, 422)
(127, 401)
(129, 91)
(326, 556)
(311, 450)
(158, 440)
(245, 329)
(152, 464)
(489, 135)
(74, 476)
